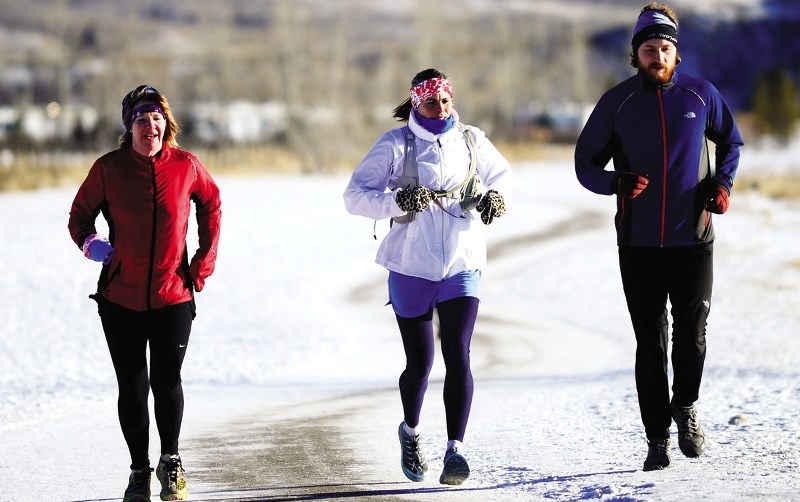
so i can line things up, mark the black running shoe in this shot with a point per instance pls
(138, 486)
(657, 455)
(173, 482)
(691, 438)
(412, 458)
(456, 468)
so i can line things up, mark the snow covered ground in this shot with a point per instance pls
(290, 378)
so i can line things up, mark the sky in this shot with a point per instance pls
(291, 373)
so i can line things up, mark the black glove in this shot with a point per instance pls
(630, 185)
(491, 206)
(414, 198)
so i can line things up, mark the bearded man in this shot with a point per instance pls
(654, 126)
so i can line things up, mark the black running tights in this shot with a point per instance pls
(128, 333)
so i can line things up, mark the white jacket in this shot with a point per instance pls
(435, 245)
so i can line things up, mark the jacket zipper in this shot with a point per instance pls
(153, 234)
(664, 153)
(441, 213)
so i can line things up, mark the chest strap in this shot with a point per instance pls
(410, 175)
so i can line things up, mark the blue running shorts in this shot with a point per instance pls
(413, 296)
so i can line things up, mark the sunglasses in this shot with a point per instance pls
(135, 96)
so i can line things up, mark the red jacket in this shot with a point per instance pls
(146, 202)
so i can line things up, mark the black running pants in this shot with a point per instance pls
(650, 277)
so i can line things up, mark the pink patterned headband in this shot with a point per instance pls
(428, 88)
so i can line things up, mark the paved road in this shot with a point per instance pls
(327, 448)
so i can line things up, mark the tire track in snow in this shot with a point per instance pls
(301, 451)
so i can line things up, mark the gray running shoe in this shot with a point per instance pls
(456, 469)
(171, 475)
(412, 458)
(657, 455)
(691, 438)
(138, 486)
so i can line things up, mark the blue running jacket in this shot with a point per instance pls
(660, 132)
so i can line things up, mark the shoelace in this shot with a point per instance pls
(661, 447)
(173, 468)
(687, 420)
(140, 478)
(413, 450)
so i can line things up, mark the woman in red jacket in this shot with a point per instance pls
(145, 293)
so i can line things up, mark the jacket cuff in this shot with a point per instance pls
(82, 241)
(724, 181)
(615, 183)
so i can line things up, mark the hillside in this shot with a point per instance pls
(523, 70)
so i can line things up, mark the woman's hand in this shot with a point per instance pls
(98, 248)
(415, 198)
(491, 206)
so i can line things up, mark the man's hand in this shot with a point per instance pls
(630, 185)
(717, 199)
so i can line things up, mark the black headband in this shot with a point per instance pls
(660, 31)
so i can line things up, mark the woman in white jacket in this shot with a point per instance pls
(438, 180)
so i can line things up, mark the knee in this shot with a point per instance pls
(417, 372)
(689, 340)
(649, 322)
(457, 360)
(165, 384)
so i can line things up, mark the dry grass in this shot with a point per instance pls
(248, 160)
(28, 171)
(31, 170)
(776, 186)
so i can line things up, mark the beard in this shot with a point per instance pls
(657, 73)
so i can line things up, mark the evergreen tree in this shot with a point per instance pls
(775, 105)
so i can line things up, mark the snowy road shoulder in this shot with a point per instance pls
(291, 372)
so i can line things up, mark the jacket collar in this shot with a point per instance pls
(162, 156)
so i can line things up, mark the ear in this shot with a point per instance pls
(677, 59)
